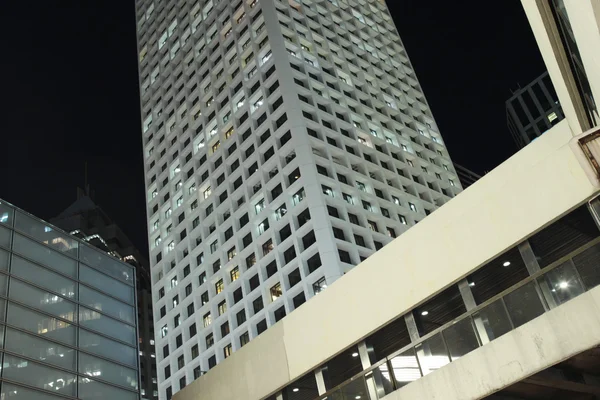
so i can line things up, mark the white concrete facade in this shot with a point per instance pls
(284, 143)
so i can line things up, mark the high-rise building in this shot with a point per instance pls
(532, 110)
(284, 143)
(86, 220)
(466, 176)
(494, 296)
(68, 322)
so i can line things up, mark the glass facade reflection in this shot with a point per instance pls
(67, 315)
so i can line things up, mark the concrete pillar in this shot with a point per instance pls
(320, 381)
(533, 267)
(469, 300)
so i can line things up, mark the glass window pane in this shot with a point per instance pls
(562, 282)
(3, 284)
(524, 304)
(39, 376)
(4, 260)
(111, 327)
(405, 368)
(44, 255)
(432, 354)
(356, 389)
(39, 349)
(41, 324)
(105, 347)
(6, 214)
(493, 319)
(42, 300)
(105, 283)
(111, 372)
(46, 234)
(5, 235)
(106, 304)
(93, 390)
(43, 277)
(587, 263)
(14, 392)
(460, 338)
(107, 264)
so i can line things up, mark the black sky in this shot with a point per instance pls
(70, 94)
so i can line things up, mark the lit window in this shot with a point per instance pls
(222, 307)
(171, 245)
(276, 291)
(235, 274)
(451, 182)
(207, 320)
(207, 192)
(319, 286)
(231, 253)
(157, 240)
(412, 207)
(215, 146)
(228, 133)
(219, 286)
(179, 201)
(173, 282)
(227, 351)
(163, 331)
(168, 213)
(259, 206)
(192, 189)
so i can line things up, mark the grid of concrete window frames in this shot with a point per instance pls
(67, 315)
(225, 184)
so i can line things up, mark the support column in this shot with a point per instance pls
(533, 267)
(320, 381)
(469, 300)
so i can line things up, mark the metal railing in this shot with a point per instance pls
(552, 286)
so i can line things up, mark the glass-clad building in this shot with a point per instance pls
(68, 323)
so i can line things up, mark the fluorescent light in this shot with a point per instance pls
(295, 389)
(424, 313)
(471, 284)
(563, 285)
(506, 263)
(354, 354)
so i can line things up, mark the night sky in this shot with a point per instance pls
(70, 95)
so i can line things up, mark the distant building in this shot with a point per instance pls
(68, 319)
(533, 110)
(87, 221)
(466, 176)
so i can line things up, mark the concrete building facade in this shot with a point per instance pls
(532, 110)
(284, 143)
(85, 220)
(68, 322)
(493, 296)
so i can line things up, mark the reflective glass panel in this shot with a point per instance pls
(493, 320)
(587, 264)
(41, 324)
(4, 260)
(6, 214)
(106, 264)
(40, 376)
(562, 282)
(5, 235)
(43, 277)
(46, 234)
(93, 390)
(461, 338)
(14, 392)
(105, 347)
(110, 327)
(432, 353)
(524, 304)
(111, 372)
(106, 283)
(42, 300)
(39, 349)
(106, 304)
(405, 367)
(44, 255)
